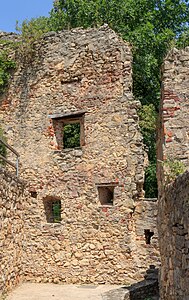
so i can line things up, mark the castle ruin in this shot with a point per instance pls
(81, 216)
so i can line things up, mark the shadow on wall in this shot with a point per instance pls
(147, 289)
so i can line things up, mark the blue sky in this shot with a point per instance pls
(12, 10)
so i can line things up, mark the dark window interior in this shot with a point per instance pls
(148, 235)
(106, 194)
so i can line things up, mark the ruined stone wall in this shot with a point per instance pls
(145, 218)
(174, 240)
(12, 201)
(86, 76)
(173, 145)
(173, 133)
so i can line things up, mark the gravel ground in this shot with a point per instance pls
(37, 291)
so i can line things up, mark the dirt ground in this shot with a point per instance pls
(34, 291)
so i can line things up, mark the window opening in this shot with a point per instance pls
(69, 129)
(71, 135)
(106, 194)
(52, 210)
(148, 235)
(33, 194)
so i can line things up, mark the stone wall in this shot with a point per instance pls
(173, 133)
(174, 240)
(12, 206)
(85, 77)
(173, 145)
(143, 290)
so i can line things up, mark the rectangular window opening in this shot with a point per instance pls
(106, 194)
(148, 235)
(68, 129)
(52, 210)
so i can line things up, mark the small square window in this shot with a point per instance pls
(106, 194)
(52, 210)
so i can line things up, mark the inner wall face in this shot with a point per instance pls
(95, 232)
(173, 158)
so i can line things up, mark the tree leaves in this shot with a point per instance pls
(6, 65)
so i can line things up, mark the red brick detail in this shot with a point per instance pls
(79, 206)
(104, 209)
(168, 140)
(169, 133)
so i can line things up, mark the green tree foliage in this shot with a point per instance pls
(148, 117)
(71, 135)
(172, 168)
(31, 31)
(56, 211)
(150, 183)
(183, 39)
(6, 65)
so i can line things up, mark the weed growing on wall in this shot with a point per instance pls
(6, 66)
(172, 168)
(31, 31)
